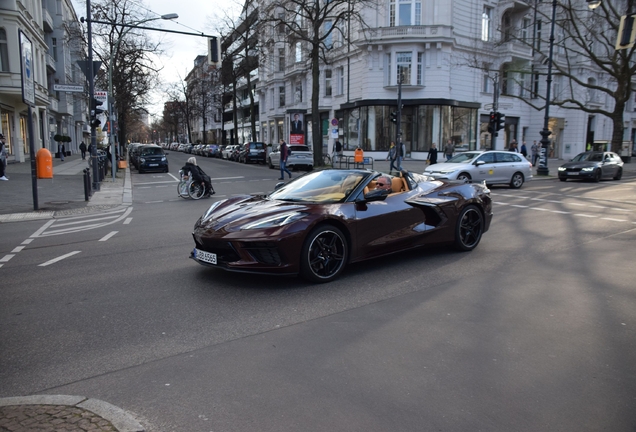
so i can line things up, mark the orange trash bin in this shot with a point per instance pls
(358, 156)
(44, 164)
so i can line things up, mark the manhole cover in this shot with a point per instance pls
(58, 202)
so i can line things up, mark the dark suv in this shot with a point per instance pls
(253, 152)
(151, 158)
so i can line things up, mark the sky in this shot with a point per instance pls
(195, 16)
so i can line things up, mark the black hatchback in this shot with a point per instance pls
(151, 158)
(253, 152)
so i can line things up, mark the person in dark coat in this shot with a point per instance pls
(284, 154)
(432, 154)
(198, 175)
(82, 148)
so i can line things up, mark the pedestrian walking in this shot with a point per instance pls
(513, 146)
(82, 148)
(432, 154)
(3, 158)
(449, 149)
(392, 156)
(284, 155)
(524, 149)
(535, 153)
(337, 152)
(61, 149)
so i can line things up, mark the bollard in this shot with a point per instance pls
(87, 184)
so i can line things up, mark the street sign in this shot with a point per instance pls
(26, 56)
(68, 88)
(101, 95)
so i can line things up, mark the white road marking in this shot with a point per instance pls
(100, 223)
(27, 241)
(538, 209)
(6, 258)
(127, 221)
(585, 215)
(517, 205)
(17, 249)
(60, 258)
(61, 224)
(614, 220)
(41, 230)
(109, 235)
(153, 202)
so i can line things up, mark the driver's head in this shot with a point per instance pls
(383, 182)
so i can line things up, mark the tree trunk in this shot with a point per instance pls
(252, 111)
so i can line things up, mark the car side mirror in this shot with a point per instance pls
(480, 162)
(279, 185)
(376, 195)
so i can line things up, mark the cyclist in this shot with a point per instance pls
(198, 175)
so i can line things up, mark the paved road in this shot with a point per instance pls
(531, 331)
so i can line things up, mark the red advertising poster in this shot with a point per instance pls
(297, 128)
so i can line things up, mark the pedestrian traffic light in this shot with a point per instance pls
(491, 123)
(500, 121)
(394, 116)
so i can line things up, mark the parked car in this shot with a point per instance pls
(318, 223)
(227, 151)
(152, 158)
(592, 165)
(493, 167)
(235, 153)
(253, 152)
(301, 157)
(211, 150)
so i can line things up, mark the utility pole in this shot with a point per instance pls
(495, 109)
(398, 133)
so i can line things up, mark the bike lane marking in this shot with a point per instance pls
(60, 258)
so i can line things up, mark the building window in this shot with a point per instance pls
(281, 23)
(486, 24)
(299, 52)
(329, 38)
(525, 30)
(388, 68)
(557, 87)
(406, 13)
(537, 40)
(341, 80)
(522, 85)
(281, 59)
(506, 87)
(281, 96)
(420, 68)
(485, 86)
(328, 90)
(404, 67)
(298, 92)
(54, 48)
(4, 51)
(535, 85)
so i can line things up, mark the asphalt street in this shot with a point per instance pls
(531, 331)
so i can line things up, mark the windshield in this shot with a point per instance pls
(327, 186)
(588, 157)
(463, 157)
(151, 151)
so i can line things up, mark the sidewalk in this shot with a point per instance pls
(62, 195)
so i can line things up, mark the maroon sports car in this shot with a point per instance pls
(319, 222)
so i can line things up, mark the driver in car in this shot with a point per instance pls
(383, 183)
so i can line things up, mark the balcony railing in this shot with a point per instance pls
(402, 32)
(47, 21)
(50, 62)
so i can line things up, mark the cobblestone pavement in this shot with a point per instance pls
(51, 418)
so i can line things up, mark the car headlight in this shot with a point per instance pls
(209, 211)
(588, 169)
(163, 159)
(447, 171)
(562, 169)
(275, 221)
(142, 160)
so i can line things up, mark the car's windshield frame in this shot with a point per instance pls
(323, 186)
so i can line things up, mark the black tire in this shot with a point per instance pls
(324, 254)
(465, 177)
(562, 178)
(269, 163)
(469, 229)
(517, 180)
(597, 175)
(619, 174)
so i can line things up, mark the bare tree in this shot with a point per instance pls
(312, 23)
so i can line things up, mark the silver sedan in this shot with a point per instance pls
(493, 167)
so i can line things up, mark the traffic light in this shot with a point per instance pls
(500, 121)
(394, 116)
(214, 51)
(626, 32)
(95, 109)
(491, 123)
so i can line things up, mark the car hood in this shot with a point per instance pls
(234, 213)
(582, 164)
(446, 167)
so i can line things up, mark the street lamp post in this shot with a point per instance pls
(111, 110)
(545, 133)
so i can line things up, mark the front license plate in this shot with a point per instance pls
(205, 256)
(153, 164)
(573, 173)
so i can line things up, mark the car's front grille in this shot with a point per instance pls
(263, 252)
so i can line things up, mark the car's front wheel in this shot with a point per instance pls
(324, 254)
(465, 177)
(517, 180)
(597, 175)
(469, 229)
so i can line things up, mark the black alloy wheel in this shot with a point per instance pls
(597, 175)
(619, 174)
(324, 254)
(470, 227)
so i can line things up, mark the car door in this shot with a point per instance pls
(485, 168)
(508, 163)
(609, 166)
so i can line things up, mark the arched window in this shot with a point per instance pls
(506, 27)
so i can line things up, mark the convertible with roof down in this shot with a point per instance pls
(318, 223)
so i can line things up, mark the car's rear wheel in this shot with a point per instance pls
(516, 181)
(469, 229)
(465, 177)
(619, 174)
(597, 175)
(324, 254)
